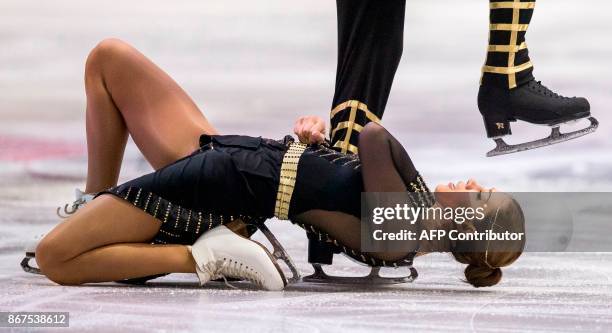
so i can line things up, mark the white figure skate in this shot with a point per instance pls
(220, 253)
(81, 198)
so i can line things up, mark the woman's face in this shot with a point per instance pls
(469, 186)
(461, 193)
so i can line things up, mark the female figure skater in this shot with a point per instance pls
(174, 220)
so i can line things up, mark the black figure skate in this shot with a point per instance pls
(321, 253)
(533, 103)
(321, 250)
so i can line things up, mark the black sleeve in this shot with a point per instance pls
(370, 43)
(386, 166)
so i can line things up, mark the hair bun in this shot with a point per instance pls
(482, 276)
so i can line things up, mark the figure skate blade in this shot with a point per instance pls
(555, 137)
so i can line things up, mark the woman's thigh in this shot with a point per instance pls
(104, 221)
(161, 117)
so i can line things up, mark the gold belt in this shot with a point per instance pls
(286, 183)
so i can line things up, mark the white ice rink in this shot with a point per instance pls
(253, 67)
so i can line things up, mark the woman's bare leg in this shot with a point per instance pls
(106, 241)
(129, 94)
(124, 261)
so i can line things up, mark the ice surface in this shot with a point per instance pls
(253, 66)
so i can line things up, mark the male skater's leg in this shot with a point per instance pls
(508, 90)
(370, 44)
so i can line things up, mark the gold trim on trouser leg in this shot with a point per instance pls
(507, 70)
(345, 144)
(515, 27)
(515, 4)
(507, 48)
(346, 147)
(355, 105)
(286, 184)
(359, 105)
(346, 124)
(513, 38)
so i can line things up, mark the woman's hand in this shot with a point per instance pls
(310, 129)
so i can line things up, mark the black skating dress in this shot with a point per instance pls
(252, 178)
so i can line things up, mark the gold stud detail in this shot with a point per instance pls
(188, 219)
(137, 197)
(157, 207)
(288, 176)
(199, 223)
(178, 216)
(147, 202)
(167, 212)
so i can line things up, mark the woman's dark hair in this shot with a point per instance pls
(484, 264)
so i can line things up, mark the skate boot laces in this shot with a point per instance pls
(538, 87)
(224, 268)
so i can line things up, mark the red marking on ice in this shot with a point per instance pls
(20, 149)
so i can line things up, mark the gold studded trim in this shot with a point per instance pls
(179, 225)
(423, 196)
(286, 183)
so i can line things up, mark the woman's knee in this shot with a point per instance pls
(47, 253)
(105, 53)
(50, 257)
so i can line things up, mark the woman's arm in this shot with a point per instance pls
(385, 164)
(385, 167)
